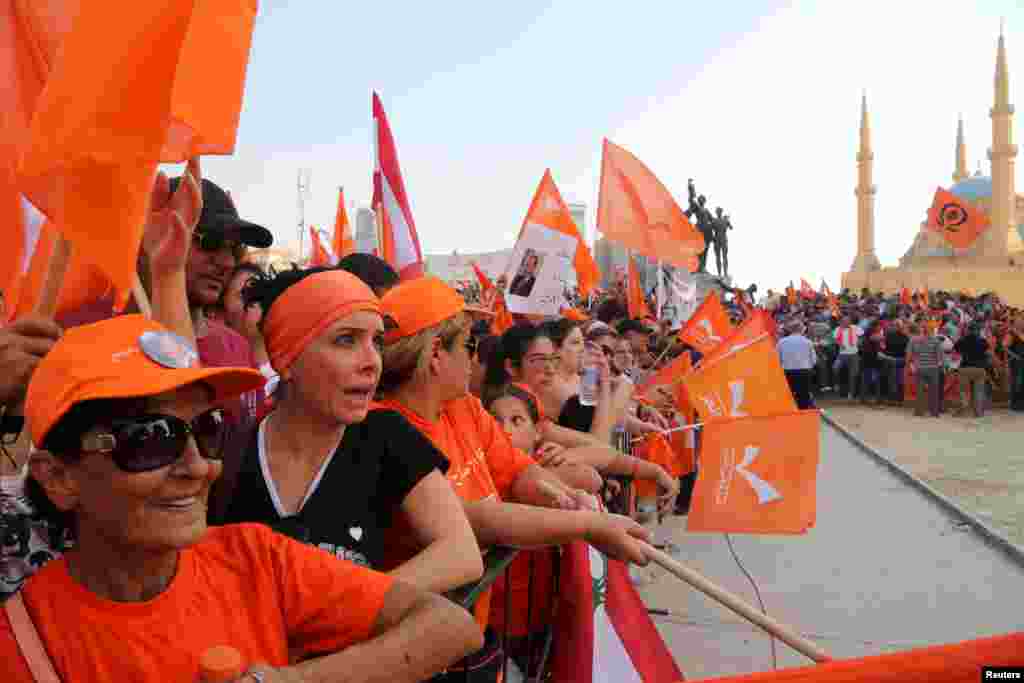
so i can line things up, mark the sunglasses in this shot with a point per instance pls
(215, 241)
(148, 442)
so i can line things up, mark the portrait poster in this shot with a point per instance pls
(539, 271)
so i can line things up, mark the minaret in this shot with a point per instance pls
(865, 260)
(1003, 232)
(960, 173)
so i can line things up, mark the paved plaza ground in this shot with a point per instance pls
(884, 569)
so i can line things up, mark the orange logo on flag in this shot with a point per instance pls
(550, 210)
(708, 327)
(745, 383)
(636, 210)
(758, 475)
(958, 221)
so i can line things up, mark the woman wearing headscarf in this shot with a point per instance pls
(132, 439)
(318, 467)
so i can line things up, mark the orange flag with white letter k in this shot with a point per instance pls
(758, 475)
(748, 382)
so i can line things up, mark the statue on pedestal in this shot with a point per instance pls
(705, 223)
(691, 209)
(721, 227)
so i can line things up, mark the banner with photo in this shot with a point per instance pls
(539, 271)
(678, 296)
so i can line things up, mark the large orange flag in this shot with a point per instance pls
(669, 375)
(637, 211)
(746, 383)
(342, 244)
(757, 475)
(635, 299)
(113, 109)
(548, 209)
(708, 327)
(759, 325)
(958, 221)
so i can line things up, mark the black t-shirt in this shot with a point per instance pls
(575, 415)
(896, 344)
(973, 351)
(355, 495)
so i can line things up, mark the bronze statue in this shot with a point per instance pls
(692, 191)
(705, 223)
(721, 226)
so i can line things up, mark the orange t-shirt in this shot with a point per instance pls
(483, 463)
(242, 585)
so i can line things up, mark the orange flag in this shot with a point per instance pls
(669, 375)
(759, 325)
(502, 318)
(550, 211)
(958, 221)
(748, 382)
(574, 314)
(791, 294)
(342, 244)
(485, 282)
(635, 300)
(637, 211)
(708, 327)
(948, 663)
(100, 129)
(319, 254)
(655, 448)
(905, 296)
(758, 475)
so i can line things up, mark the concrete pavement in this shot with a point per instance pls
(885, 569)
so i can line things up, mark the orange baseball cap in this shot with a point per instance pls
(416, 305)
(128, 356)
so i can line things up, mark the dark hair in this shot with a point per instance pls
(558, 330)
(632, 325)
(64, 442)
(512, 346)
(611, 309)
(265, 291)
(512, 391)
(374, 271)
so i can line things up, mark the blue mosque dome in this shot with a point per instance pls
(974, 188)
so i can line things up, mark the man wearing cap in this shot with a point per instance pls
(219, 243)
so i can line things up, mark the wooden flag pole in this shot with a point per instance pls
(737, 605)
(46, 305)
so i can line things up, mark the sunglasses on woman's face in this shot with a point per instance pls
(149, 442)
(215, 241)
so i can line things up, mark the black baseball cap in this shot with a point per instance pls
(220, 216)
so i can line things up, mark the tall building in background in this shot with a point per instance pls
(366, 230)
(579, 216)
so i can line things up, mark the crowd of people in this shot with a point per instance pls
(297, 464)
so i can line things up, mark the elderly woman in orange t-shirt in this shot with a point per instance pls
(132, 443)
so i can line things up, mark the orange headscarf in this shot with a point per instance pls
(308, 308)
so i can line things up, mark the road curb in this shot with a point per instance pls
(990, 535)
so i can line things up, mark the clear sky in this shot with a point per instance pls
(759, 101)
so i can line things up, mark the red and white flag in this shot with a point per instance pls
(603, 630)
(400, 245)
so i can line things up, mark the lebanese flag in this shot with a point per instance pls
(342, 244)
(603, 631)
(320, 255)
(806, 291)
(400, 244)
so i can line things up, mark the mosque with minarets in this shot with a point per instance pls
(995, 262)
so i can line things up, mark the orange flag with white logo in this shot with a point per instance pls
(635, 300)
(748, 382)
(636, 210)
(758, 475)
(958, 221)
(549, 210)
(113, 109)
(758, 326)
(708, 327)
(342, 243)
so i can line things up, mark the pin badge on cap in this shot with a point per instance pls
(169, 350)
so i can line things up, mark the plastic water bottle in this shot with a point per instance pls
(219, 664)
(590, 377)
